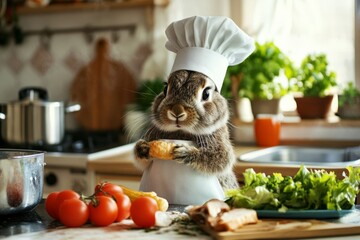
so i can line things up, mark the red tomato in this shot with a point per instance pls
(73, 212)
(63, 195)
(107, 188)
(104, 212)
(123, 203)
(50, 204)
(143, 211)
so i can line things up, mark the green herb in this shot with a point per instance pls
(349, 95)
(258, 74)
(314, 78)
(308, 189)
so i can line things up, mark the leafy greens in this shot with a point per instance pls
(308, 189)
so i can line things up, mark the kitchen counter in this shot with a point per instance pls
(110, 168)
(38, 225)
(33, 221)
(123, 165)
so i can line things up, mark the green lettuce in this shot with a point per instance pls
(307, 189)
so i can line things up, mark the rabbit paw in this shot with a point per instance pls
(184, 153)
(142, 149)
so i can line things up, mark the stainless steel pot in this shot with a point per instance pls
(21, 180)
(33, 120)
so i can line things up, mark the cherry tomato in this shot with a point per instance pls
(73, 212)
(50, 204)
(143, 211)
(104, 212)
(123, 203)
(63, 195)
(107, 188)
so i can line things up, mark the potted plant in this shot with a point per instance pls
(349, 102)
(263, 78)
(314, 82)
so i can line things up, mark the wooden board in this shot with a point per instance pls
(288, 229)
(103, 88)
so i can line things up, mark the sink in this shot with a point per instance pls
(296, 155)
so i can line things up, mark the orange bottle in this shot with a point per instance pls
(267, 130)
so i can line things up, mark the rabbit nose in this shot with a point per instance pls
(177, 113)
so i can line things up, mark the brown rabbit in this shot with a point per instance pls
(191, 108)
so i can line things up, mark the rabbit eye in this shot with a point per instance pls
(206, 94)
(165, 88)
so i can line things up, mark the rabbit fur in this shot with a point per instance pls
(191, 108)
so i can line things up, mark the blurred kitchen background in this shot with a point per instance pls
(60, 36)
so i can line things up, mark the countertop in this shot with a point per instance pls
(32, 221)
(123, 165)
(38, 225)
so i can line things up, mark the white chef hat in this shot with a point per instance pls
(208, 45)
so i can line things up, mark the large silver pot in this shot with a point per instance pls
(33, 120)
(21, 180)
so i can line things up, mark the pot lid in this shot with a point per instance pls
(35, 96)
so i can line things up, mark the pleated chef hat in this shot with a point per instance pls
(208, 45)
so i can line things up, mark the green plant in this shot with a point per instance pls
(257, 76)
(349, 95)
(307, 189)
(147, 91)
(314, 78)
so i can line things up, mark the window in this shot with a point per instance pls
(305, 26)
(302, 27)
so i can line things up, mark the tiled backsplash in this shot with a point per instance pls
(31, 64)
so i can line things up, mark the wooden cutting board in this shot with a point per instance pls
(103, 88)
(288, 229)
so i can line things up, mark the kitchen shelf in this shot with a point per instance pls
(330, 122)
(90, 6)
(333, 132)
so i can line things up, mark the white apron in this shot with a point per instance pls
(180, 184)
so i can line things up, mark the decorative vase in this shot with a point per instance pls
(264, 106)
(314, 107)
(349, 110)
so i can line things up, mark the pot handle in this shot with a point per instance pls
(72, 108)
(26, 92)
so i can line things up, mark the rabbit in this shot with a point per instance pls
(191, 108)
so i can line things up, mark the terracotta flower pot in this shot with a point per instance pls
(313, 107)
